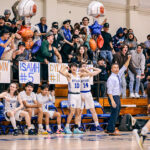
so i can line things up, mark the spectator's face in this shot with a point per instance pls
(45, 91)
(2, 22)
(6, 36)
(50, 39)
(22, 48)
(125, 31)
(139, 49)
(76, 40)
(120, 34)
(101, 62)
(73, 69)
(43, 21)
(55, 31)
(76, 32)
(13, 88)
(130, 36)
(7, 16)
(29, 89)
(130, 31)
(84, 66)
(106, 29)
(81, 50)
(125, 49)
(85, 22)
(67, 25)
(115, 69)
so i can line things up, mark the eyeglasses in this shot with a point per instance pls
(85, 20)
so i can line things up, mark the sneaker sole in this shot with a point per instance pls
(138, 139)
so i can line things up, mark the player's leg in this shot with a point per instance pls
(28, 121)
(12, 119)
(29, 110)
(58, 117)
(79, 122)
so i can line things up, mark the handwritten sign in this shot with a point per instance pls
(29, 72)
(4, 71)
(53, 74)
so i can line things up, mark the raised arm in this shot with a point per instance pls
(95, 72)
(128, 61)
(64, 71)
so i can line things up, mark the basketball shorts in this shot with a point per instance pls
(51, 113)
(74, 100)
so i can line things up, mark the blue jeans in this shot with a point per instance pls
(132, 79)
(124, 85)
(114, 114)
(107, 55)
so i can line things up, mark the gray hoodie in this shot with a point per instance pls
(138, 60)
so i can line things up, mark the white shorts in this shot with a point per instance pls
(74, 100)
(51, 113)
(17, 115)
(87, 100)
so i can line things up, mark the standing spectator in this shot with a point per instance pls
(107, 49)
(147, 43)
(85, 23)
(113, 90)
(132, 44)
(77, 26)
(118, 39)
(138, 60)
(120, 58)
(125, 31)
(7, 14)
(65, 31)
(43, 27)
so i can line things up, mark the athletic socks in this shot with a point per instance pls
(40, 126)
(144, 131)
(96, 123)
(59, 127)
(13, 122)
(67, 125)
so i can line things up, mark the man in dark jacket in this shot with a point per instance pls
(120, 58)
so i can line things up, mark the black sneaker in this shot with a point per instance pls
(31, 132)
(15, 132)
(139, 138)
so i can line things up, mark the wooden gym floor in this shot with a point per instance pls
(88, 141)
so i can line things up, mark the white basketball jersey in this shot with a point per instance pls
(85, 84)
(12, 104)
(74, 84)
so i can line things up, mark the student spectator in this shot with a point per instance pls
(120, 58)
(147, 43)
(132, 44)
(44, 97)
(125, 31)
(77, 26)
(107, 49)
(68, 50)
(138, 60)
(85, 23)
(5, 41)
(13, 111)
(7, 14)
(32, 106)
(43, 27)
(118, 39)
(65, 30)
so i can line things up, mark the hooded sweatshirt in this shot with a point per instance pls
(138, 60)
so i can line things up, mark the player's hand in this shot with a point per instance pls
(39, 105)
(129, 56)
(114, 104)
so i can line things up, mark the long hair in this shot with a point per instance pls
(17, 87)
(85, 56)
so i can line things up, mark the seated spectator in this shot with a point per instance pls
(120, 58)
(5, 41)
(13, 111)
(67, 50)
(42, 27)
(118, 39)
(107, 49)
(32, 106)
(44, 97)
(65, 30)
(132, 44)
(7, 14)
(138, 60)
(103, 76)
(147, 43)
(81, 56)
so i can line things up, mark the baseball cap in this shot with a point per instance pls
(49, 34)
(21, 44)
(106, 25)
(67, 21)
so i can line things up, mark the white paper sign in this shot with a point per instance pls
(29, 72)
(4, 71)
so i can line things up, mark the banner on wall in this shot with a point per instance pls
(29, 72)
(54, 76)
(4, 71)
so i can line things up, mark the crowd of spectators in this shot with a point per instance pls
(68, 43)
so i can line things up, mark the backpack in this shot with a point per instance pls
(127, 123)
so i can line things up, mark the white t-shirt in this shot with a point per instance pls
(28, 98)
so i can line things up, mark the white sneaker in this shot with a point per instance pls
(132, 95)
(137, 95)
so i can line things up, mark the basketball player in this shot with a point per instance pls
(44, 98)
(32, 106)
(12, 111)
(74, 96)
(86, 95)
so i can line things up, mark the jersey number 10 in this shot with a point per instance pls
(77, 85)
